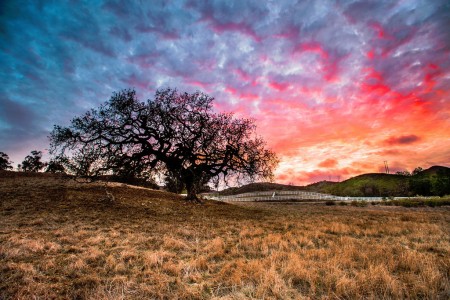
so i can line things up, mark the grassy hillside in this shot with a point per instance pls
(320, 186)
(371, 185)
(385, 185)
(65, 240)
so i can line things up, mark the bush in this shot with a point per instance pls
(330, 202)
(359, 203)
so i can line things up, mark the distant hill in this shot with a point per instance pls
(260, 187)
(432, 181)
(372, 184)
(434, 170)
(320, 186)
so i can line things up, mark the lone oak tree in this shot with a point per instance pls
(176, 132)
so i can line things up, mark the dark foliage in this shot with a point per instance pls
(441, 183)
(55, 166)
(174, 183)
(5, 163)
(32, 163)
(417, 171)
(420, 185)
(176, 134)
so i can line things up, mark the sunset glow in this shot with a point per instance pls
(336, 87)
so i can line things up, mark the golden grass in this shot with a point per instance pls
(61, 240)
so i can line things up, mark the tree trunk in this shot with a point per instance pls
(192, 188)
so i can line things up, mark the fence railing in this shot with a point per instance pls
(285, 196)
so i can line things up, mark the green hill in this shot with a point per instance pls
(432, 181)
(372, 184)
(320, 186)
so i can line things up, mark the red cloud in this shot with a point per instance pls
(279, 86)
(402, 140)
(328, 163)
(389, 152)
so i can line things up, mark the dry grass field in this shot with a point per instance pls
(63, 240)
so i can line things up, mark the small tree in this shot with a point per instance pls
(176, 133)
(416, 171)
(403, 173)
(55, 166)
(5, 163)
(32, 163)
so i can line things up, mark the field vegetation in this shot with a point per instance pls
(60, 239)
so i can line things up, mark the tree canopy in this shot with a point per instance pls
(175, 133)
(32, 163)
(55, 166)
(5, 163)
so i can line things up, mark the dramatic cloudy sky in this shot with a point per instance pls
(336, 87)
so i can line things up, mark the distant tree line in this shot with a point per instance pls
(437, 184)
(32, 163)
(407, 173)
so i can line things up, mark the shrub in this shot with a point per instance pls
(359, 203)
(330, 202)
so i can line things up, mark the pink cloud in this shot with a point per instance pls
(314, 47)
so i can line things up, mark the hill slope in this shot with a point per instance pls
(64, 240)
(372, 184)
(320, 186)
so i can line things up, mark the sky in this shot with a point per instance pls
(335, 87)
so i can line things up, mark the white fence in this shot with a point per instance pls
(286, 196)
